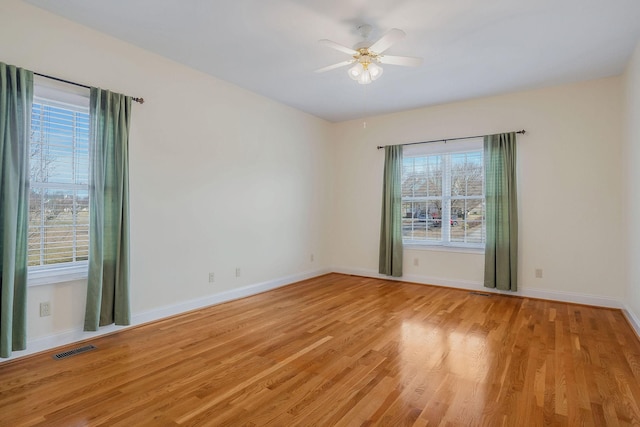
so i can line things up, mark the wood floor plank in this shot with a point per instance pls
(345, 351)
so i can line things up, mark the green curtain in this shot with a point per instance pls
(16, 99)
(108, 284)
(391, 223)
(501, 251)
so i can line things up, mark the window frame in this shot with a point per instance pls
(76, 98)
(445, 149)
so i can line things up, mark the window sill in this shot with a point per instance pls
(39, 276)
(443, 248)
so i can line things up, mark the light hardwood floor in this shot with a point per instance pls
(344, 351)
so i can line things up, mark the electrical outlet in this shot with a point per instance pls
(538, 273)
(212, 277)
(45, 309)
(237, 271)
(416, 262)
(311, 258)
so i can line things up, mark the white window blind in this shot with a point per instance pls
(59, 178)
(443, 195)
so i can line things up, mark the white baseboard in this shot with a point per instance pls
(633, 319)
(576, 298)
(423, 280)
(230, 295)
(74, 335)
(573, 297)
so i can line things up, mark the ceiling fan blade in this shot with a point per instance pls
(336, 46)
(334, 66)
(389, 38)
(408, 61)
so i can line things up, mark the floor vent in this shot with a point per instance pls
(480, 294)
(73, 352)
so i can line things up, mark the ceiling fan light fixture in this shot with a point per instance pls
(356, 71)
(375, 70)
(365, 72)
(365, 78)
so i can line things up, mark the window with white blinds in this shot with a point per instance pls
(443, 194)
(59, 181)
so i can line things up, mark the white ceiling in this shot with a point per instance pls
(471, 48)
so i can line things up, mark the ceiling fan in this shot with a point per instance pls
(366, 55)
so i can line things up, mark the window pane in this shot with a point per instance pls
(466, 174)
(458, 231)
(434, 220)
(408, 177)
(474, 223)
(419, 170)
(434, 231)
(60, 148)
(35, 222)
(82, 225)
(414, 220)
(58, 226)
(474, 169)
(434, 175)
(430, 183)
(59, 172)
(467, 220)
(414, 181)
(458, 175)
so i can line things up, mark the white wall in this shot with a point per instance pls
(219, 177)
(569, 186)
(632, 179)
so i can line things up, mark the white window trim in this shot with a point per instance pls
(459, 248)
(421, 150)
(50, 274)
(71, 97)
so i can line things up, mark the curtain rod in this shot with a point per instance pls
(521, 132)
(138, 100)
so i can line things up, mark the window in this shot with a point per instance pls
(443, 194)
(59, 181)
